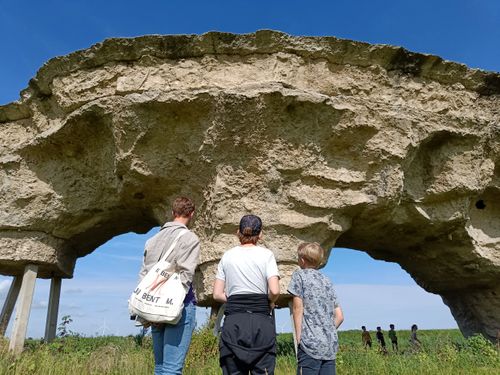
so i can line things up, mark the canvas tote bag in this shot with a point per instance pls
(159, 297)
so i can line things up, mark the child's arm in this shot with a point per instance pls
(339, 317)
(298, 313)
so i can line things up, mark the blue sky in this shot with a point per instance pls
(372, 292)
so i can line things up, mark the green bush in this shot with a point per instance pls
(203, 352)
(285, 345)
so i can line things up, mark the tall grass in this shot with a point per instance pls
(442, 352)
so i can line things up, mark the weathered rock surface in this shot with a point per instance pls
(364, 146)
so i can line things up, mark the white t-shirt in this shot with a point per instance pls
(246, 269)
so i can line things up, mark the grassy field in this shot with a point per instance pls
(443, 352)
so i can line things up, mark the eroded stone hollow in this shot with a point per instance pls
(364, 146)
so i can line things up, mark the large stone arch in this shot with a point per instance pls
(367, 146)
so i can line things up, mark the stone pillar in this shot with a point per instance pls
(9, 304)
(53, 309)
(23, 309)
(476, 310)
(217, 314)
(214, 311)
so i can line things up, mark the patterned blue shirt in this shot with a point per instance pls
(319, 337)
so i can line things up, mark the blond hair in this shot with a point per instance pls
(312, 253)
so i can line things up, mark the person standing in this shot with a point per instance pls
(381, 340)
(171, 341)
(366, 338)
(316, 313)
(414, 341)
(247, 281)
(393, 337)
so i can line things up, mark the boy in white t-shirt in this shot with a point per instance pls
(248, 282)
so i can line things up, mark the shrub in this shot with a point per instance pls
(285, 345)
(204, 349)
(481, 350)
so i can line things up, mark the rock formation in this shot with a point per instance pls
(364, 146)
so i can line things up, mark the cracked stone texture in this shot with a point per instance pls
(364, 146)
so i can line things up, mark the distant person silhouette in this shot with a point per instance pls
(366, 338)
(381, 340)
(393, 337)
(415, 342)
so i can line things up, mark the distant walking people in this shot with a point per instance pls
(316, 313)
(381, 339)
(393, 337)
(171, 341)
(415, 342)
(247, 281)
(366, 338)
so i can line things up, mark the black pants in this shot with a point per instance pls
(308, 365)
(264, 366)
(248, 344)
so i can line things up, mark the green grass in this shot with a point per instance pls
(442, 352)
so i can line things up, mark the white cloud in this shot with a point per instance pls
(403, 305)
(381, 305)
(39, 305)
(4, 288)
(91, 300)
(71, 306)
(129, 258)
(73, 290)
(202, 316)
(89, 286)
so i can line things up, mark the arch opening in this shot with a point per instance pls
(372, 292)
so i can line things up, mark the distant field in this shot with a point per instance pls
(443, 352)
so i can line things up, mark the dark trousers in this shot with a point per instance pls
(264, 366)
(308, 365)
(248, 344)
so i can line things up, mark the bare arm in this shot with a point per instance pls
(219, 294)
(273, 286)
(298, 313)
(339, 317)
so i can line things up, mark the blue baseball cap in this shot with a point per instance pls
(251, 222)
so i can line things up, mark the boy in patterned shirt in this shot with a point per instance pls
(316, 313)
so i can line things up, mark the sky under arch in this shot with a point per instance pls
(371, 292)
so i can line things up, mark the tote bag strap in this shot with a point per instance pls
(172, 247)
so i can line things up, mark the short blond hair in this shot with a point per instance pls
(312, 253)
